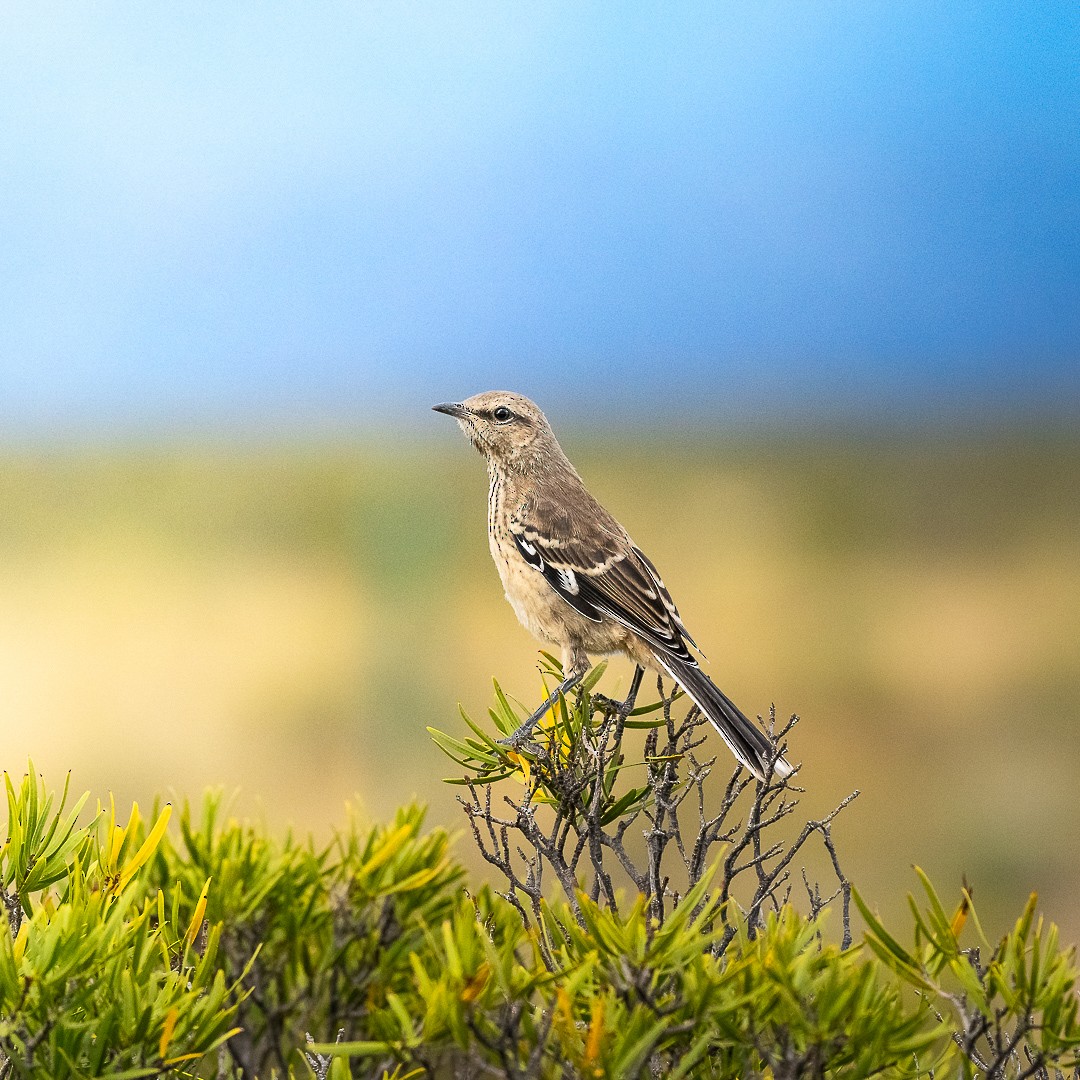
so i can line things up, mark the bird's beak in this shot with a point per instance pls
(452, 408)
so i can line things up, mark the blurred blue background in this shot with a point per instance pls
(318, 215)
(798, 284)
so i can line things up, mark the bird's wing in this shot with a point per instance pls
(600, 573)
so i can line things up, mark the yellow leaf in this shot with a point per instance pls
(523, 764)
(133, 821)
(596, 1031)
(564, 1015)
(417, 880)
(477, 983)
(167, 1030)
(19, 945)
(562, 1002)
(117, 843)
(197, 918)
(388, 848)
(147, 849)
(121, 833)
(961, 915)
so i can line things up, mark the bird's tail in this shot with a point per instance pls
(745, 739)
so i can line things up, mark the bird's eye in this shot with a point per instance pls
(502, 414)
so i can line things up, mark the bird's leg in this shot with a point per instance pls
(521, 735)
(627, 707)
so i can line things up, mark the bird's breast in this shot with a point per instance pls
(539, 608)
(529, 594)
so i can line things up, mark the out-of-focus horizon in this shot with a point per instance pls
(287, 622)
(799, 287)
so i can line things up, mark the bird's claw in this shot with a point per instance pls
(612, 707)
(517, 742)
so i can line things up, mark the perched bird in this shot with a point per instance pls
(576, 579)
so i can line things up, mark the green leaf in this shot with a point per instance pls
(879, 933)
(481, 778)
(593, 677)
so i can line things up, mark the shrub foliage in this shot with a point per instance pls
(635, 930)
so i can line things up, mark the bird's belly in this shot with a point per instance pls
(532, 599)
(544, 613)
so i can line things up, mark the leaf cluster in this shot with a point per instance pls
(629, 999)
(801, 1005)
(1011, 1008)
(320, 935)
(100, 975)
(197, 945)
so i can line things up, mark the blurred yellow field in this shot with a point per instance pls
(288, 620)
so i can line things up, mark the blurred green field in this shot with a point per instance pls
(287, 620)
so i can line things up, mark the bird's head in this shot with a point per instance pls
(508, 429)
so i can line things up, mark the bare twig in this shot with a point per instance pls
(581, 818)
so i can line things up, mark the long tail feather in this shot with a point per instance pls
(744, 738)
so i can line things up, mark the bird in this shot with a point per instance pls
(576, 580)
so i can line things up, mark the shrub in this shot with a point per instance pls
(99, 976)
(213, 950)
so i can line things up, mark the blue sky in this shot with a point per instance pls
(257, 215)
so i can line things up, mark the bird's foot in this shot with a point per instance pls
(621, 709)
(610, 707)
(521, 740)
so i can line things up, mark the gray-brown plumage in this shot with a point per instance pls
(573, 575)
